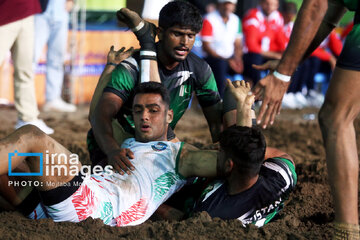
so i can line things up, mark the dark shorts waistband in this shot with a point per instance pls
(29, 203)
(63, 192)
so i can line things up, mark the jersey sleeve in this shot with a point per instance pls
(286, 169)
(205, 88)
(206, 31)
(240, 31)
(252, 35)
(123, 79)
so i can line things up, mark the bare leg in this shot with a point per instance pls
(336, 120)
(29, 139)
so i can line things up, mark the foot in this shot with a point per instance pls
(129, 17)
(38, 123)
(58, 105)
(144, 31)
(346, 231)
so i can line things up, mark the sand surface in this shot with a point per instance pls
(307, 215)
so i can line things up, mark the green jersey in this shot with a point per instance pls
(192, 75)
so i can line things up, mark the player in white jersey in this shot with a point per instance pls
(115, 198)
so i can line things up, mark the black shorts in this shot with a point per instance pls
(350, 54)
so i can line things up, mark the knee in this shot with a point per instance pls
(326, 117)
(31, 131)
(334, 117)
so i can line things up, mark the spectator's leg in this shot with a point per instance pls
(41, 36)
(22, 54)
(219, 67)
(249, 72)
(313, 68)
(57, 44)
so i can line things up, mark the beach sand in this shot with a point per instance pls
(307, 214)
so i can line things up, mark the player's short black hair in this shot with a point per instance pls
(154, 87)
(246, 147)
(180, 13)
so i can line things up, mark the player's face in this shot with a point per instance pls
(226, 8)
(176, 42)
(268, 6)
(151, 117)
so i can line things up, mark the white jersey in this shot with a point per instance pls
(125, 200)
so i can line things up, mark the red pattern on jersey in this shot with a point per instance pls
(84, 202)
(134, 213)
(92, 178)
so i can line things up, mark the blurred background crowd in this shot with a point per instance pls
(52, 52)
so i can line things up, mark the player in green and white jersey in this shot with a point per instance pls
(182, 72)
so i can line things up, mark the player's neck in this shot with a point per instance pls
(237, 183)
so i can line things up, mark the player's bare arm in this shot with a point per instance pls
(105, 111)
(213, 118)
(113, 59)
(271, 89)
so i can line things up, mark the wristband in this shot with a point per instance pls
(282, 77)
(111, 63)
(138, 27)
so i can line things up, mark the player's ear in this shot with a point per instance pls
(169, 116)
(229, 164)
(160, 33)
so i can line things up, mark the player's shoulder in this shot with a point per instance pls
(196, 62)
(281, 167)
(198, 66)
(252, 13)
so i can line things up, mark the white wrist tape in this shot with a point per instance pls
(282, 77)
(138, 27)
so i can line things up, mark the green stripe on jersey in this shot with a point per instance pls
(291, 167)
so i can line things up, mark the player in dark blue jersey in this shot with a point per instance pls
(257, 180)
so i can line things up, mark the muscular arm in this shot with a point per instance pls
(113, 58)
(306, 26)
(213, 117)
(195, 162)
(105, 111)
(309, 30)
(103, 81)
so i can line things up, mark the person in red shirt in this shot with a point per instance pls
(263, 35)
